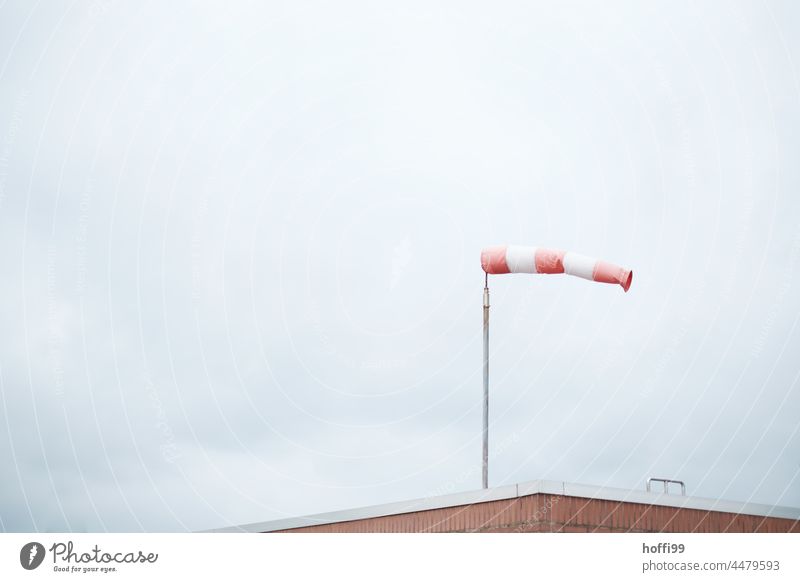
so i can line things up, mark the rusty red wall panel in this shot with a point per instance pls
(544, 512)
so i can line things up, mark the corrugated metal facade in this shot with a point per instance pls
(558, 513)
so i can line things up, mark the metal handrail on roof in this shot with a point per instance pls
(666, 483)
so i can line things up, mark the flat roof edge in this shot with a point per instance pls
(513, 491)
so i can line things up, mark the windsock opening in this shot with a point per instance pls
(626, 282)
(605, 272)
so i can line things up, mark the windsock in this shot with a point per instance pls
(518, 259)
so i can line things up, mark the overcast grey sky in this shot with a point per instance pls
(239, 253)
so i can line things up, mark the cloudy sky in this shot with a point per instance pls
(239, 253)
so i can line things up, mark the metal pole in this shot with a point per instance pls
(486, 383)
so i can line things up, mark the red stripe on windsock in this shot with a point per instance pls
(608, 273)
(493, 260)
(549, 261)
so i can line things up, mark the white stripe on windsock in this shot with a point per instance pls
(579, 265)
(521, 259)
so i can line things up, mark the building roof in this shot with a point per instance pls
(521, 490)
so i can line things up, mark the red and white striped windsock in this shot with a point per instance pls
(518, 259)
